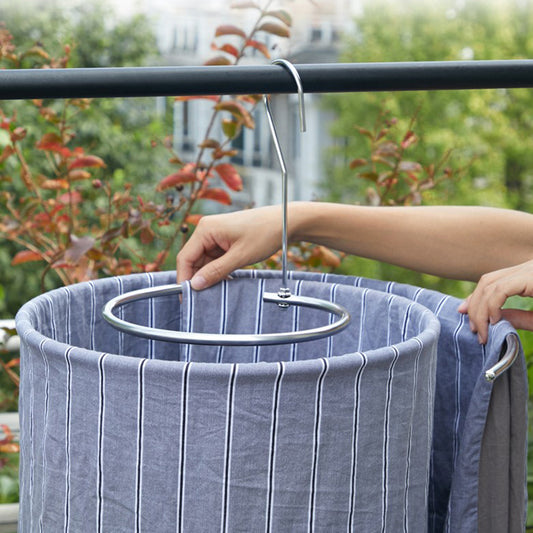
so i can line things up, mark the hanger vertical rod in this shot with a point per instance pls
(284, 191)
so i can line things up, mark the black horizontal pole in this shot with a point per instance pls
(211, 80)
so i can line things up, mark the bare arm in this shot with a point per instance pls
(494, 246)
(452, 242)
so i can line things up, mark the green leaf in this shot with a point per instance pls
(372, 176)
(230, 128)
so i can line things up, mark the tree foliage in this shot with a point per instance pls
(488, 130)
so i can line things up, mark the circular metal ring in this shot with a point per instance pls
(226, 339)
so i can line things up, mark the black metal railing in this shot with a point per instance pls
(316, 78)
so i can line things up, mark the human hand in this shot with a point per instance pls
(484, 305)
(223, 243)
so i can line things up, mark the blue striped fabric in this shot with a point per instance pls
(330, 435)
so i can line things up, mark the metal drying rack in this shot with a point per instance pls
(317, 78)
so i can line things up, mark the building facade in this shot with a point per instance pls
(185, 32)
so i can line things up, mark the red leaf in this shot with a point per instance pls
(230, 176)
(238, 111)
(218, 60)
(193, 219)
(274, 29)
(77, 175)
(87, 161)
(18, 134)
(229, 29)
(147, 235)
(25, 256)
(261, 47)
(229, 49)
(358, 163)
(73, 197)
(201, 97)
(55, 147)
(180, 177)
(54, 185)
(209, 143)
(409, 139)
(49, 138)
(218, 195)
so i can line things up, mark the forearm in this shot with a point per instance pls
(453, 242)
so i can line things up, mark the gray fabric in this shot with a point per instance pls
(330, 435)
(503, 456)
(78, 470)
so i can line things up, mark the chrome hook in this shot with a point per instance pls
(284, 291)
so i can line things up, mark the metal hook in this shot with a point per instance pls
(301, 104)
(284, 291)
(511, 353)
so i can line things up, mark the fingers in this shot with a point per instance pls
(222, 243)
(484, 305)
(215, 270)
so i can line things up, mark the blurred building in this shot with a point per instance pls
(185, 30)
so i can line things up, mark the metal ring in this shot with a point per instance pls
(226, 339)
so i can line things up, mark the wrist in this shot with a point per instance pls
(302, 220)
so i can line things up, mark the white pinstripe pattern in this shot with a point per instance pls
(120, 312)
(332, 296)
(140, 425)
(101, 429)
(458, 357)
(296, 321)
(410, 437)
(183, 441)
(93, 315)
(457, 415)
(52, 316)
(406, 319)
(362, 321)
(355, 438)
(430, 410)
(437, 311)
(223, 317)
(228, 447)
(68, 416)
(151, 316)
(316, 445)
(386, 440)
(187, 294)
(68, 339)
(45, 424)
(31, 428)
(273, 441)
(258, 317)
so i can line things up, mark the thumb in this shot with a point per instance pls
(214, 271)
(519, 318)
